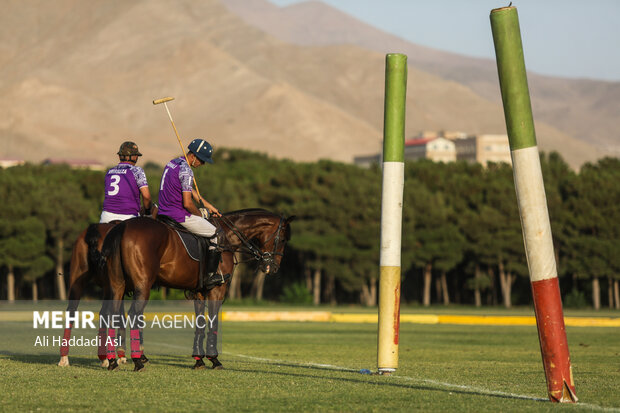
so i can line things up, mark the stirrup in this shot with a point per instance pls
(216, 279)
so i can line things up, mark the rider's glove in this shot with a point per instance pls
(204, 212)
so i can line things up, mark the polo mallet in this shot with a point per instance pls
(168, 99)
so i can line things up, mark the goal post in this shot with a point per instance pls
(391, 212)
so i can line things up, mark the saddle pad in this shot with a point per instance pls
(191, 244)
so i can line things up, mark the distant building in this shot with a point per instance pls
(365, 161)
(76, 163)
(9, 162)
(483, 149)
(450, 146)
(436, 149)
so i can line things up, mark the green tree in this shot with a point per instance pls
(595, 212)
(16, 186)
(65, 211)
(506, 252)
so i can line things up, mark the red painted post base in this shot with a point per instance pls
(553, 343)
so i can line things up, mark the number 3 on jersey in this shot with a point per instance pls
(114, 180)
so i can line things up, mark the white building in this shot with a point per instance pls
(436, 149)
(483, 149)
(451, 146)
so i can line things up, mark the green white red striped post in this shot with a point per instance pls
(532, 204)
(391, 211)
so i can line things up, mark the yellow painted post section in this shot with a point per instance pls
(389, 319)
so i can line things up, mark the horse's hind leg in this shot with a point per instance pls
(136, 312)
(143, 358)
(199, 334)
(121, 335)
(102, 335)
(115, 320)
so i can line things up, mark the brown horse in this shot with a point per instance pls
(84, 262)
(142, 251)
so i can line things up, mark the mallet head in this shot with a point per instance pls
(162, 100)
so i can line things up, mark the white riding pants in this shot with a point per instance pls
(200, 226)
(111, 216)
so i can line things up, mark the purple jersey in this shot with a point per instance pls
(122, 189)
(176, 179)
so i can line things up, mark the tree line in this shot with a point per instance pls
(461, 243)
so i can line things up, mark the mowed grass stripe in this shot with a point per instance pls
(334, 317)
(287, 366)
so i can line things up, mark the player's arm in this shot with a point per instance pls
(143, 186)
(213, 210)
(188, 204)
(146, 199)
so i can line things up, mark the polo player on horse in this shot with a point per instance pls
(124, 184)
(176, 201)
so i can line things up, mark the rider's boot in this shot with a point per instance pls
(213, 261)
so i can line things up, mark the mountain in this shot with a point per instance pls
(77, 79)
(584, 109)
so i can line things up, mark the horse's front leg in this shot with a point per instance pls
(213, 306)
(71, 309)
(198, 351)
(215, 299)
(79, 271)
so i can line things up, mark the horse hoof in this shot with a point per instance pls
(122, 360)
(216, 363)
(64, 361)
(113, 365)
(105, 363)
(138, 366)
(200, 365)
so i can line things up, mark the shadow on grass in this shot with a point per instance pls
(186, 363)
(50, 360)
(93, 362)
(418, 386)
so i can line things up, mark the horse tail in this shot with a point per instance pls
(111, 263)
(93, 255)
(112, 243)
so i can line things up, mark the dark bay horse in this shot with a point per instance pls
(142, 251)
(83, 269)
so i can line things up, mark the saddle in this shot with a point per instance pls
(195, 245)
(197, 249)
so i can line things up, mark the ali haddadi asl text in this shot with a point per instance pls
(59, 341)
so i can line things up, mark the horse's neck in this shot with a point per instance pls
(249, 228)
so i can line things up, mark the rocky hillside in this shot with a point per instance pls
(77, 78)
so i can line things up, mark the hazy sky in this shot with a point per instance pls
(569, 38)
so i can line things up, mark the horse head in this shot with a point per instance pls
(272, 245)
(260, 234)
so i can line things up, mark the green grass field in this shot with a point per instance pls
(280, 366)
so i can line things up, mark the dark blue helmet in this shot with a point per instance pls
(202, 149)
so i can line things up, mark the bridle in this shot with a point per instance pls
(266, 259)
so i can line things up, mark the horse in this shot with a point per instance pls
(85, 258)
(142, 251)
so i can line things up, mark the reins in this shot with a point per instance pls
(251, 249)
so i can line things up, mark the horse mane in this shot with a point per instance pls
(259, 211)
(250, 211)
